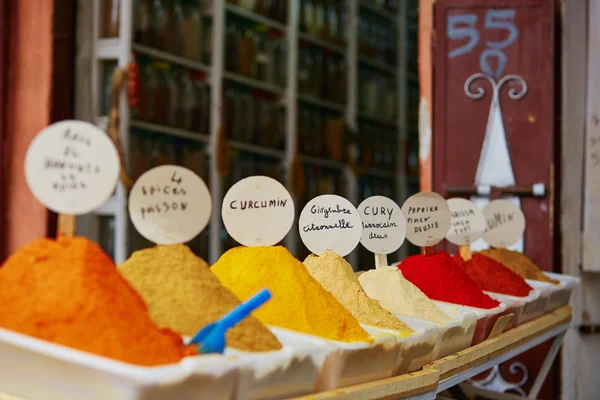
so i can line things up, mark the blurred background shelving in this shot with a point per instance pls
(329, 83)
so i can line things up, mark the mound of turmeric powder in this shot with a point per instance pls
(518, 263)
(184, 295)
(298, 301)
(68, 291)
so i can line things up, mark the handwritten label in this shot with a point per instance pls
(384, 227)
(467, 223)
(169, 204)
(427, 218)
(330, 222)
(258, 211)
(72, 167)
(505, 223)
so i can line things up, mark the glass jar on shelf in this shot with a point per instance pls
(162, 100)
(148, 90)
(263, 59)
(175, 98)
(247, 53)
(192, 30)
(145, 23)
(249, 5)
(305, 67)
(306, 15)
(188, 103)
(201, 111)
(316, 75)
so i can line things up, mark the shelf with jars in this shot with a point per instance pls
(320, 80)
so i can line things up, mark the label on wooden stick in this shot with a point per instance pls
(330, 222)
(427, 218)
(169, 204)
(72, 167)
(258, 211)
(384, 227)
(505, 223)
(467, 223)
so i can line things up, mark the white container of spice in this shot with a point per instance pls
(291, 371)
(561, 293)
(417, 349)
(347, 364)
(455, 335)
(35, 369)
(524, 308)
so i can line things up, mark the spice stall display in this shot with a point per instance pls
(396, 294)
(519, 263)
(69, 292)
(336, 275)
(492, 276)
(182, 294)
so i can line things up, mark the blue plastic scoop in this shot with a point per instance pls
(211, 338)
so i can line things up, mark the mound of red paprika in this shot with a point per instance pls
(440, 278)
(492, 276)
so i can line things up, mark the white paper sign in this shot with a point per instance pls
(384, 227)
(330, 222)
(505, 223)
(169, 204)
(427, 218)
(258, 211)
(467, 223)
(72, 167)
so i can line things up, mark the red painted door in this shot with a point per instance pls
(502, 47)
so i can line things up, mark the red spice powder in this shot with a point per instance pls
(492, 276)
(440, 278)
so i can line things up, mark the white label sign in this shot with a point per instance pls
(467, 223)
(505, 223)
(330, 222)
(72, 167)
(169, 204)
(258, 211)
(427, 218)
(384, 227)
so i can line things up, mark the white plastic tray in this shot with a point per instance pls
(347, 364)
(39, 370)
(486, 318)
(291, 371)
(561, 294)
(524, 308)
(417, 349)
(456, 335)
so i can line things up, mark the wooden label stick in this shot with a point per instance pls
(66, 225)
(381, 260)
(465, 252)
(427, 251)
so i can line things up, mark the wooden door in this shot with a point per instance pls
(4, 47)
(494, 81)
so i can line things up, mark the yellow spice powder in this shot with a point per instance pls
(184, 295)
(337, 276)
(298, 301)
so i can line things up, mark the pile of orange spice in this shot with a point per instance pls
(68, 291)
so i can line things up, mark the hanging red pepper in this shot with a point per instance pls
(133, 83)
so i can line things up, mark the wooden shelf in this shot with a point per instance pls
(172, 58)
(253, 83)
(170, 131)
(252, 16)
(255, 149)
(489, 349)
(317, 41)
(380, 11)
(380, 65)
(402, 386)
(316, 101)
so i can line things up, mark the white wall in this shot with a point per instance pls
(581, 354)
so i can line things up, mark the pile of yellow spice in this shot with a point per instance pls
(298, 301)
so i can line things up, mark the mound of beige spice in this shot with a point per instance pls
(336, 275)
(182, 294)
(398, 295)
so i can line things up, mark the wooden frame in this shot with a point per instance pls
(4, 49)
